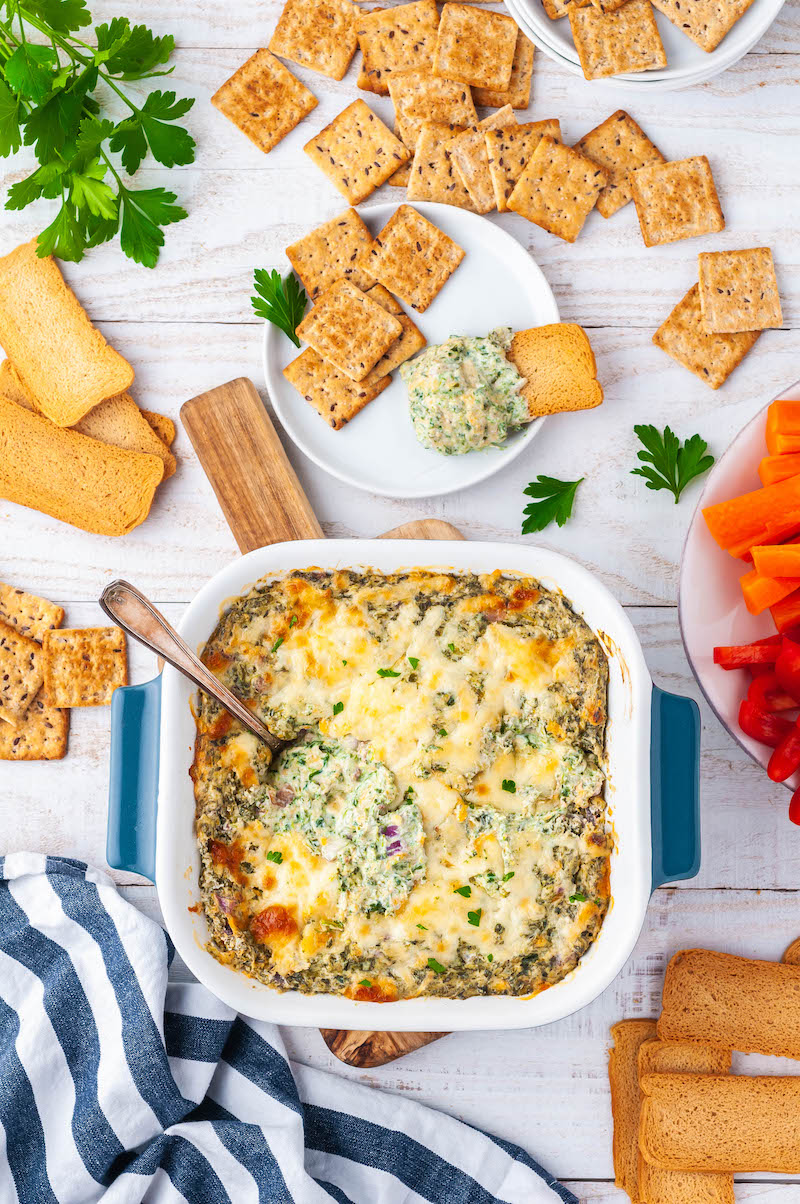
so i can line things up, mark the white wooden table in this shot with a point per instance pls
(189, 325)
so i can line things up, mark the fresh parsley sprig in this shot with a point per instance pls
(555, 499)
(54, 98)
(668, 464)
(282, 302)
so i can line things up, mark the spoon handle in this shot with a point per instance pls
(135, 614)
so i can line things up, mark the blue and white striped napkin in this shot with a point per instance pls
(117, 1086)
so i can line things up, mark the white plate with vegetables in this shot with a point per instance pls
(496, 285)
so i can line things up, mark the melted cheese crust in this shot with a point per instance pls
(486, 698)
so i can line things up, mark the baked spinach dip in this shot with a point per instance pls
(464, 394)
(437, 825)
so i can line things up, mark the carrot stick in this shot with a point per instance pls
(778, 467)
(732, 521)
(777, 560)
(760, 591)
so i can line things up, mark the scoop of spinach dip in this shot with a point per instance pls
(464, 394)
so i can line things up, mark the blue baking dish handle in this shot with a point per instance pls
(675, 787)
(133, 789)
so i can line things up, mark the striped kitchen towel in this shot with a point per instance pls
(117, 1086)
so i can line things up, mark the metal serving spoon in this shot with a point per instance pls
(135, 614)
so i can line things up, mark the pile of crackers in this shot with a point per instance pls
(46, 670)
(683, 1124)
(616, 37)
(73, 442)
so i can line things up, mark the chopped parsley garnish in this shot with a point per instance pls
(315, 774)
(450, 701)
(442, 732)
(344, 662)
(508, 876)
(452, 647)
(413, 662)
(293, 620)
(409, 794)
(490, 957)
(338, 707)
(466, 891)
(578, 897)
(275, 855)
(277, 644)
(509, 785)
(365, 982)
(474, 917)
(437, 967)
(388, 673)
(422, 926)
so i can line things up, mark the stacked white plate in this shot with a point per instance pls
(687, 63)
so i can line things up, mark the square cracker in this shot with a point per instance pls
(619, 146)
(418, 97)
(617, 42)
(333, 395)
(350, 329)
(31, 616)
(471, 158)
(410, 341)
(336, 250)
(558, 189)
(320, 34)
(433, 172)
(40, 735)
(738, 291)
(705, 21)
(475, 46)
(676, 200)
(264, 100)
(518, 92)
(413, 258)
(84, 666)
(556, 9)
(508, 150)
(357, 152)
(712, 357)
(396, 39)
(21, 673)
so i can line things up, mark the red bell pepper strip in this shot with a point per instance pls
(739, 656)
(767, 729)
(765, 692)
(786, 758)
(794, 808)
(787, 667)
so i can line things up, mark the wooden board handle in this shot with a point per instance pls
(249, 471)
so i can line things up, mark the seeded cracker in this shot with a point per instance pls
(418, 97)
(334, 251)
(413, 258)
(396, 39)
(349, 329)
(410, 341)
(508, 150)
(712, 357)
(20, 674)
(320, 34)
(475, 46)
(357, 152)
(472, 159)
(264, 100)
(738, 291)
(84, 666)
(618, 42)
(558, 189)
(29, 615)
(518, 93)
(676, 200)
(40, 735)
(433, 172)
(560, 8)
(333, 395)
(619, 146)
(705, 21)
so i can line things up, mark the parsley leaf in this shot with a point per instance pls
(140, 53)
(144, 211)
(281, 302)
(507, 877)
(275, 855)
(413, 662)
(555, 499)
(365, 982)
(578, 897)
(474, 917)
(466, 891)
(509, 785)
(10, 134)
(293, 619)
(64, 16)
(169, 144)
(277, 644)
(490, 957)
(667, 463)
(422, 926)
(388, 673)
(89, 189)
(338, 707)
(437, 967)
(29, 71)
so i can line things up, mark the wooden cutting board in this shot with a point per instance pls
(264, 503)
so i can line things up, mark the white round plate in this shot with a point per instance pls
(687, 63)
(711, 607)
(496, 284)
